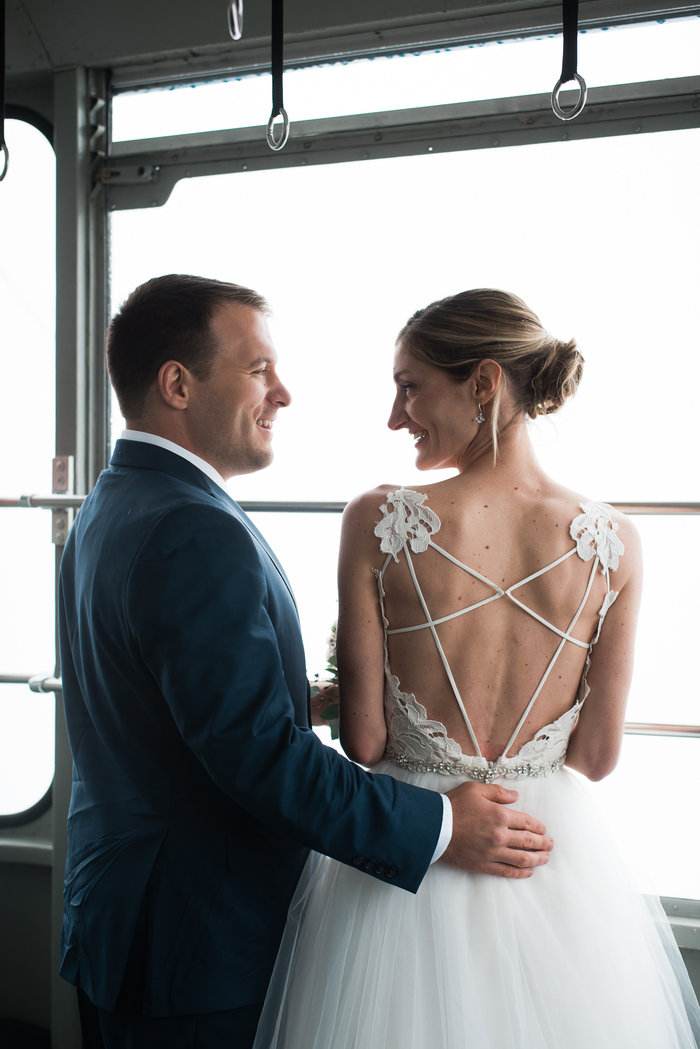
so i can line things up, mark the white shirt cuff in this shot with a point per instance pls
(446, 829)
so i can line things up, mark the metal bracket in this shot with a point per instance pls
(45, 683)
(129, 175)
(63, 484)
(98, 127)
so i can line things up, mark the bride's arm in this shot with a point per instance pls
(595, 744)
(360, 640)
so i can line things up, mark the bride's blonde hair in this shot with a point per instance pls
(458, 332)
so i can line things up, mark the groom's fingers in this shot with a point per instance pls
(491, 838)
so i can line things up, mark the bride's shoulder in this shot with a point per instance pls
(596, 523)
(581, 505)
(393, 515)
(364, 510)
(386, 506)
(373, 501)
(361, 516)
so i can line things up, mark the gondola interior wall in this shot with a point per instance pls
(65, 64)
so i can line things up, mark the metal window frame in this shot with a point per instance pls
(143, 173)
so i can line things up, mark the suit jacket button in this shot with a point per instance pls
(358, 861)
(380, 869)
(368, 865)
(391, 872)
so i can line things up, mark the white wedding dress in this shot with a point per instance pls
(572, 958)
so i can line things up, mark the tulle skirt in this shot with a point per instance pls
(572, 958)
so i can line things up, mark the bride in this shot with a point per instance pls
(486, 632)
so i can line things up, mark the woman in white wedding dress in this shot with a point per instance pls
(486, 633)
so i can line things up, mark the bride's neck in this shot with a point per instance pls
(515, 463)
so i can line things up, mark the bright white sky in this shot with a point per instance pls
(345, 253)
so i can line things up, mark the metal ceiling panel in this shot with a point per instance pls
(48, 35)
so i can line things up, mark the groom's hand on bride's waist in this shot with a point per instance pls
(489, 837)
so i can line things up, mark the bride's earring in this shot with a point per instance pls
(480, 417)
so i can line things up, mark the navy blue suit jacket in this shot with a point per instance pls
(198, 785)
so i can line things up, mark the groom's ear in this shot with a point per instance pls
(486, 378)
(174, 385)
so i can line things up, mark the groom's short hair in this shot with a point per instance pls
(167, 318)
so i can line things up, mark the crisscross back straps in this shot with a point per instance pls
(431, 624)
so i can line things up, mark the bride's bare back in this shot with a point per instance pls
(498, 655)
(497, 651)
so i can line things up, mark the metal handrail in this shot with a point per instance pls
(47, 502)
(642, 728)
(63, 502)
(45, 683)
(36, 682)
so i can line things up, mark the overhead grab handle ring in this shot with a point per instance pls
(569, 63)
(6, 161)
(281, 142)
(277, 70)
(235, 19)
(571, 111)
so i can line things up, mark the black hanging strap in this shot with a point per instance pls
(570, 27)
(569, 63)
(4, 153)
(277, 64)
(277, 55)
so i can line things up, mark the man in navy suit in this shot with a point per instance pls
(198, 785)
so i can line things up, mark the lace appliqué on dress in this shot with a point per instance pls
(419, 744)
(595, 533)
(409, 522)
(421, 738)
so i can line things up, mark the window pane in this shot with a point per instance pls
(343, 278)
(26, 747)
(27, 427)
(649, 799)
(598, 236)
(292, 537)
(625, 54)
(665, 688)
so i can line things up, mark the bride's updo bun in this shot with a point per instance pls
(458, 332)
(556, 378)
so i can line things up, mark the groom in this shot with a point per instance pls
(198, 785)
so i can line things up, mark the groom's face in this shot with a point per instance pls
(234, 409)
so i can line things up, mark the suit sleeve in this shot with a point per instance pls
(199, 606)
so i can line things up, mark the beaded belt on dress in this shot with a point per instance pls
(494, 770)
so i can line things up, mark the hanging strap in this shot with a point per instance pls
(277, 64)
(5, 159)
(569, 63)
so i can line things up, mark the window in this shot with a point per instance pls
(597, 234)
(27, 421)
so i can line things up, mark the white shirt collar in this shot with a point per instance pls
(170, 446)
